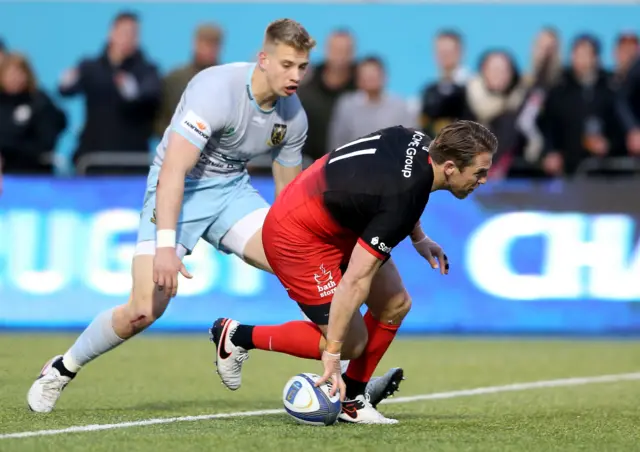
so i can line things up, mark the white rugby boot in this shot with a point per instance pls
(229, 357)
(46, 390)
(380, 388)
(360, 411)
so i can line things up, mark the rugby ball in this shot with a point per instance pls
(310, 405)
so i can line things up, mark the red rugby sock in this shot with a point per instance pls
(380, 337)
(299, 338)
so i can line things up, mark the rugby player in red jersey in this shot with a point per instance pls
(328, 238)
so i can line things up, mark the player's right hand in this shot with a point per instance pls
(331, 362)
(166, 265)
(434, 254)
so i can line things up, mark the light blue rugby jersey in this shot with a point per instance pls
(218, 114)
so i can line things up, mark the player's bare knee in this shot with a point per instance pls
(147, 303)
(145, 309)
(396, 310)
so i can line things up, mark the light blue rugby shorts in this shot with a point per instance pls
(210, 208)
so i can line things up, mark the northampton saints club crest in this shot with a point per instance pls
(277, 134)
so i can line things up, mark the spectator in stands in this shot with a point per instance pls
(496, 89)
(322, 88)
(545, 73)
(628, 87)
(3, 50)
(121, 90)
(369, 108)
(494, 97)
(444, 100)
(206, 52)
(578, 119)
(30, 123)
(626, 51)
(2, 55)
(546, 62)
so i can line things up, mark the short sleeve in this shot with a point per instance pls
(202, 111)
(394, 222)
(290, 153)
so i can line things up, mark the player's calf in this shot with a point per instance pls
(107, 331)
(309, 338)
(382, 325)
(233, 341)
(388, 304)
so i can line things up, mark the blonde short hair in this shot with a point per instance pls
(289, 32)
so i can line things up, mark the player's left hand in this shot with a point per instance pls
(434, 254)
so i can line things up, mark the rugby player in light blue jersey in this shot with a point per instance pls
(198, 187)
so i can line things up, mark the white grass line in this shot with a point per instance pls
(578, 381)
(434, 396)
(167, 420)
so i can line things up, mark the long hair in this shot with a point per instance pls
(21, 61)
(515, 71)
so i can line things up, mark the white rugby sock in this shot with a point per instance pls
(97, 339)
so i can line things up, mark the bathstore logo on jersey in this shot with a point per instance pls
(196, 125)
(325, 283)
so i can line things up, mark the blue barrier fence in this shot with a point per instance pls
(526, 258)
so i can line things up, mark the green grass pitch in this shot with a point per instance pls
(163, 376)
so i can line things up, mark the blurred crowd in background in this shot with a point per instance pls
(554, 118)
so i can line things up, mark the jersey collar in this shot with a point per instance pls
(427, 150)
(251, 96)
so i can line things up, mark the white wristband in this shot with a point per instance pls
(420, 241)
(166, 238)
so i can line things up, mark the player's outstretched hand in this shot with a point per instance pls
(331, 362)
(434, 254)
(166, 265)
